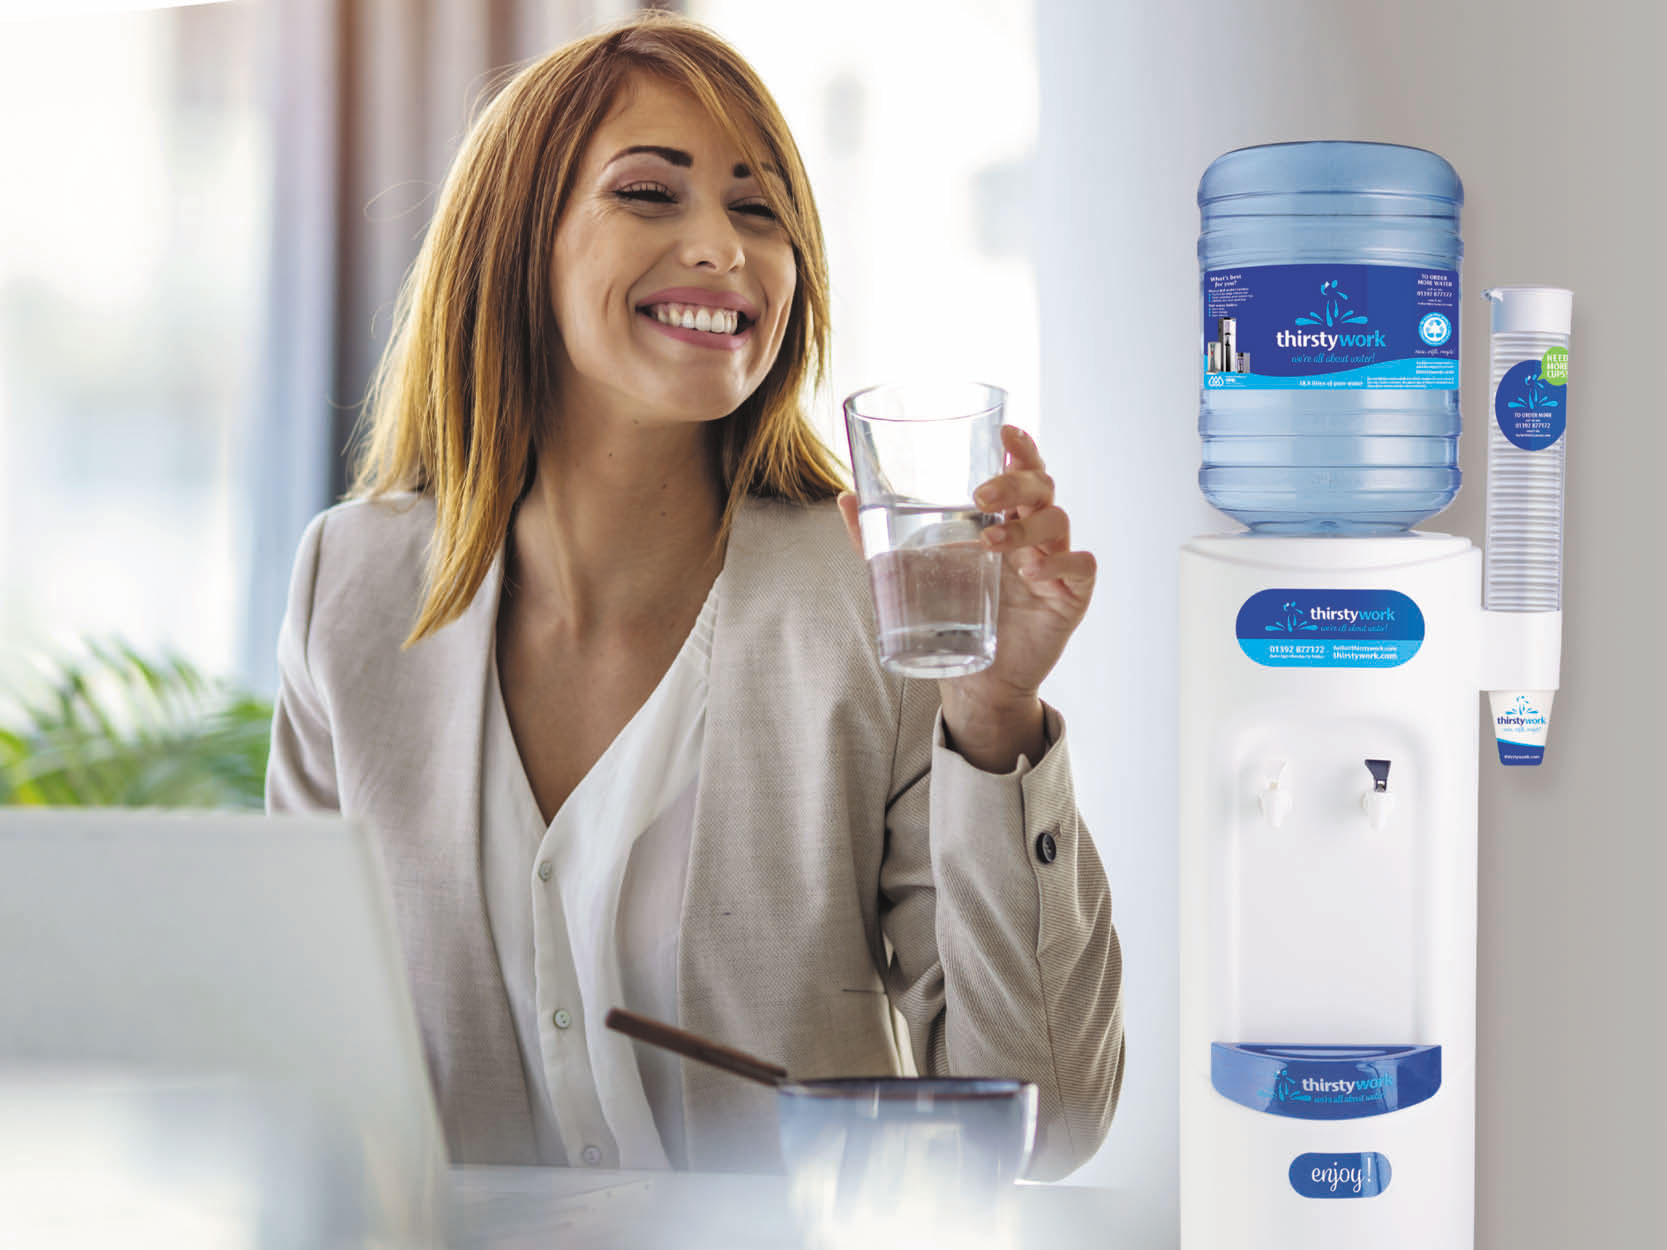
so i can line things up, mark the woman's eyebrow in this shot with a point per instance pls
(680, 158)
(672, 156)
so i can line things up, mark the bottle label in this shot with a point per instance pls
(1319, 628)
(1531, 403)
(1331, 327)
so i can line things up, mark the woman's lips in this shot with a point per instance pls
(702, 297)
(700, 338)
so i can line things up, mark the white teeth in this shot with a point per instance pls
(697, 317)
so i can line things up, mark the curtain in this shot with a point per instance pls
(368, 100)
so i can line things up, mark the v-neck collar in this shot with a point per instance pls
(696, 649)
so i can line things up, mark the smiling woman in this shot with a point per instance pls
(652, 216)
(507, 184)
(591, 655)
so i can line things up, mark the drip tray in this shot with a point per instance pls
(1325, 1082)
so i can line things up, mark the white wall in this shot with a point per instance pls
(917, 160)
(1551, 113)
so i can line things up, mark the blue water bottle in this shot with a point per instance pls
(1329, 281)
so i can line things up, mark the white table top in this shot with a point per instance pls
(502, 1208)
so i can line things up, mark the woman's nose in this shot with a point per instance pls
(712, 242)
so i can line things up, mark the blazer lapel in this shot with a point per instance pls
(715, 989)
(484, 1084)
(780, 949)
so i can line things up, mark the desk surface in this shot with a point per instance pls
(500, 1208)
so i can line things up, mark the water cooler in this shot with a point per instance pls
(1331, 661)
(1328, 902)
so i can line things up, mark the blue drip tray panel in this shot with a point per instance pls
(1325, 1082)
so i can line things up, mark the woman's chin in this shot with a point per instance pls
(700, 404)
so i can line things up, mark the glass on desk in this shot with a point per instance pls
(918, 451)
(905, 1162)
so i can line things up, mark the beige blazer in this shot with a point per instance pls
(843, 861)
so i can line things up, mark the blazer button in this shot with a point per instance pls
(591, 1155)
(1047, 850)
(546, 870)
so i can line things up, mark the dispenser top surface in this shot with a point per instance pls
(1261, 551)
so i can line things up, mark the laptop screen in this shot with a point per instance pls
(243, 966)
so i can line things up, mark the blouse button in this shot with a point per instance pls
(561, 1019)
(591, 1155)
(546, 870)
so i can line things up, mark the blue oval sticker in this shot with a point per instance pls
(1340, 1176)
(1319, 628)
(1531, 409)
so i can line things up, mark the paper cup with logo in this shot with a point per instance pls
(1521, 724)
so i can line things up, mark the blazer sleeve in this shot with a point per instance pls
(301, 768)
(1004, 960)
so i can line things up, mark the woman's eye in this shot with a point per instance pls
(756, 208)
(646, 193)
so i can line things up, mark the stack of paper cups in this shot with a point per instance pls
(1526, 445)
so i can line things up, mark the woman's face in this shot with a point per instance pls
(672, 279)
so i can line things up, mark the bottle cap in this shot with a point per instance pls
(1531, 309)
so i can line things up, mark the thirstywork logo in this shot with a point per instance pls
(1294, 618)
(1351, 615)
(1522, 714)
(1334, 312)
(1367, 1086)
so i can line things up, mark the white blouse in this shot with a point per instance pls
(585, 917)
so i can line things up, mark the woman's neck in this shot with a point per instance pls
(619, 527)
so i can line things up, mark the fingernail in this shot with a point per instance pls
(984, 497)
(995, 536)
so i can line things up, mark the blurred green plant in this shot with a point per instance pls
(113, 728)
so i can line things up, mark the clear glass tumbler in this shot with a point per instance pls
(918, 451)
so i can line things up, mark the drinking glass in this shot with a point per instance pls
(918, 451)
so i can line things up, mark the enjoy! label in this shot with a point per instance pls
(1364, 1175)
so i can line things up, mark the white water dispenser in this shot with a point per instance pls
(1328, 902)
(1331, 664)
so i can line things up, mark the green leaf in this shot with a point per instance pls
(113, 727)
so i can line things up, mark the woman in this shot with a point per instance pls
(591, 656)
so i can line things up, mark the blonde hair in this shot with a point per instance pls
(456, 405)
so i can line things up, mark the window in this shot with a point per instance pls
(132, 245)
